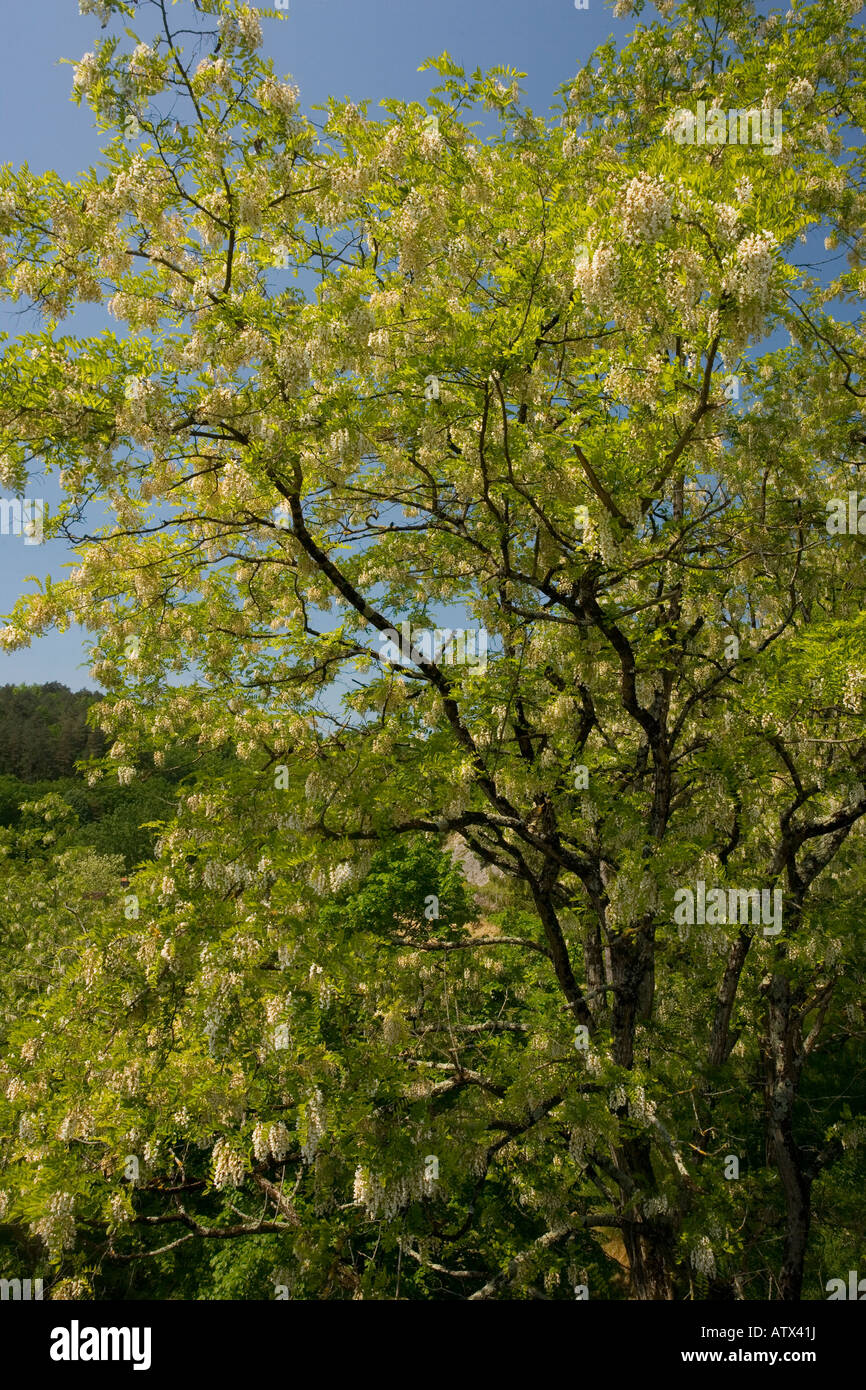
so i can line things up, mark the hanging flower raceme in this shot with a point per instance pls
(229, 1164)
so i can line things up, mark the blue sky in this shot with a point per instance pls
(354, 48)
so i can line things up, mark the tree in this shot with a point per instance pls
(43, 729)
(536, 381)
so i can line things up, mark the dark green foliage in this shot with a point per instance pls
(44, 730)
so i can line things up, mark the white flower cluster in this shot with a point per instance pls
(119, 1210)
(9, 472)
(140, 60)
(225, 878)
(85, 73)
(852, 695)
(12, 637)
(800, 92)
(647, 208)
(340, 876)
(593, 1064)
(213, 73)
(315, 1125)
(573, 144)
(57, 1229)
(279, 1141)
(206, 804)
(78, 1124)
(321, 985)
(243, 28)
(229, 1164)
(4, 1204)
(703, 1259)
(640, 1108)
(271, 1141)
(685, 279)
(583, 1138)
(832, 951)
(727, 217)
(629, 386)
(28, 1130)
(73, 1290)
(280, 96)
(749, 277)
(430, 142)
(617, 1099)
(274, 1006)
(383, 1201)
(596, 278)
(379, 341)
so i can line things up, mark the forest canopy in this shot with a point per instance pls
(44, 730)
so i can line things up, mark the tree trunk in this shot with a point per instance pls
(648, 1247)
(784, 1062)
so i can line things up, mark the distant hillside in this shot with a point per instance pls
(43, 730)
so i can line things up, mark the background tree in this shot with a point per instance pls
(673, 692)
(44, 730)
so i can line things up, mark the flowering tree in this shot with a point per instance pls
(371, 375)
